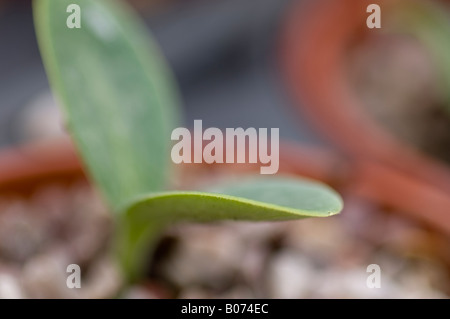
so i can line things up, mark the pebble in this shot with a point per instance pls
(10, 287)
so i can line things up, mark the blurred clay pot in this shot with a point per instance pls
(25, 168)
(314, 45)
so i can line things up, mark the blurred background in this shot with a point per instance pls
(364, 110)
(224, 61)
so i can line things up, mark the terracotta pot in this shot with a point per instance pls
(315, 41)
(24, 168)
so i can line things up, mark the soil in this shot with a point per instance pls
(40, 236)
(322, 258)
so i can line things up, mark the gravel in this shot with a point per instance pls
(312, 258)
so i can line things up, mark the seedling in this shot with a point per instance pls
(121, 105)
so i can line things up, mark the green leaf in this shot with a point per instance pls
(119, 99)
(255, 199)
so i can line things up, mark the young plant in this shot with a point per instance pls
(121, 105)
